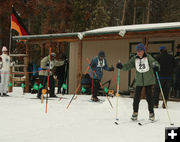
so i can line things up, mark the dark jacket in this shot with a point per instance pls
(98, 67)
(167, 63)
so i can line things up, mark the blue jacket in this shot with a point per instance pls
(99, 66)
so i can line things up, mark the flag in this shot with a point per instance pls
(17, 24)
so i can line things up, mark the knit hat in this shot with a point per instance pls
(140, 47)
(101, 54)
(4, 49)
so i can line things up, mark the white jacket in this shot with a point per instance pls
(5, 62)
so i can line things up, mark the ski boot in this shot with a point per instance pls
(95, 99)
(151, 116)
(134, 116)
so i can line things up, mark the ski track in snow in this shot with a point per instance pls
(23, 119)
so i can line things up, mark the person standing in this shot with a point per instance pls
(60, 73)
(98, 64)
(5, 71)
(167, 63)
(46, 65)
(177, 73)
(144, 64)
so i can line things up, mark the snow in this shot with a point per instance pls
(136, 27)
(23, 119)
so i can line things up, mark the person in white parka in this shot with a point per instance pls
(5, 71)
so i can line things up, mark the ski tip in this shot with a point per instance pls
(116, 123)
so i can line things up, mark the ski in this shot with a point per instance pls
(100, 101)
(130, 121)
(147, 122)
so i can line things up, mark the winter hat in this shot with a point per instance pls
(53, 54)
(162, 48)
(101, 54)
(4, 49)
(140, 47)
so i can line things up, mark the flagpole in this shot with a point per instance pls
(10, 36)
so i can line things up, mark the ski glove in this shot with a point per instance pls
(156, 68)
(55, 76)
(119, 65)
(111, 69)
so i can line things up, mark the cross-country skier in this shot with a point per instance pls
(43, 74)
(144, 64)
(5, 70)
(98, 64)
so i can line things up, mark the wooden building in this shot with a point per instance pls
(117, 42)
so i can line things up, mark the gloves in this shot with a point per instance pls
(119, 65)
(55, 76)
(155, 67)
(111, 69)
(66, 61)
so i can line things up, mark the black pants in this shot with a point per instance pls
(60, 83)
(96, 86)
(43, 81)
(166, 85)
(149, 98)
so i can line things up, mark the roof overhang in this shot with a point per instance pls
(116, 32)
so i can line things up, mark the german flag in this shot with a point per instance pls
(17, 24)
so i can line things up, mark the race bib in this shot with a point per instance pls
(142, 65)
(101, 63)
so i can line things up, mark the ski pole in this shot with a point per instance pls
(79, 85)
(162, 94)
(115, 81)
(117, 94)
(48, 80)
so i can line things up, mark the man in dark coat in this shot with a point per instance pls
(167, 64)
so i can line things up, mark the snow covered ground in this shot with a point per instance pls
(23, 119)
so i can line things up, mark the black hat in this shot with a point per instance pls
(101, 54)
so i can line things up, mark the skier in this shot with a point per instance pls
(167, 63)
(97, 64)
(43, 74)
(144, 64)
(5, 70)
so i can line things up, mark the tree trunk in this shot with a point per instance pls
(134, 18)
(124, 12)
(148, 11)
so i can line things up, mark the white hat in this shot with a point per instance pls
(4, 49)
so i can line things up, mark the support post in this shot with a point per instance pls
(79, 62)
(26, 62)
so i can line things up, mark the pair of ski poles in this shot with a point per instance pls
(79, 85)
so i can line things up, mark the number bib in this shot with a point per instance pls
(142, 65)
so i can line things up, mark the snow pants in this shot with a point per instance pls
(149, 98)
(96, 86)
(43, 81)
(4, 82)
